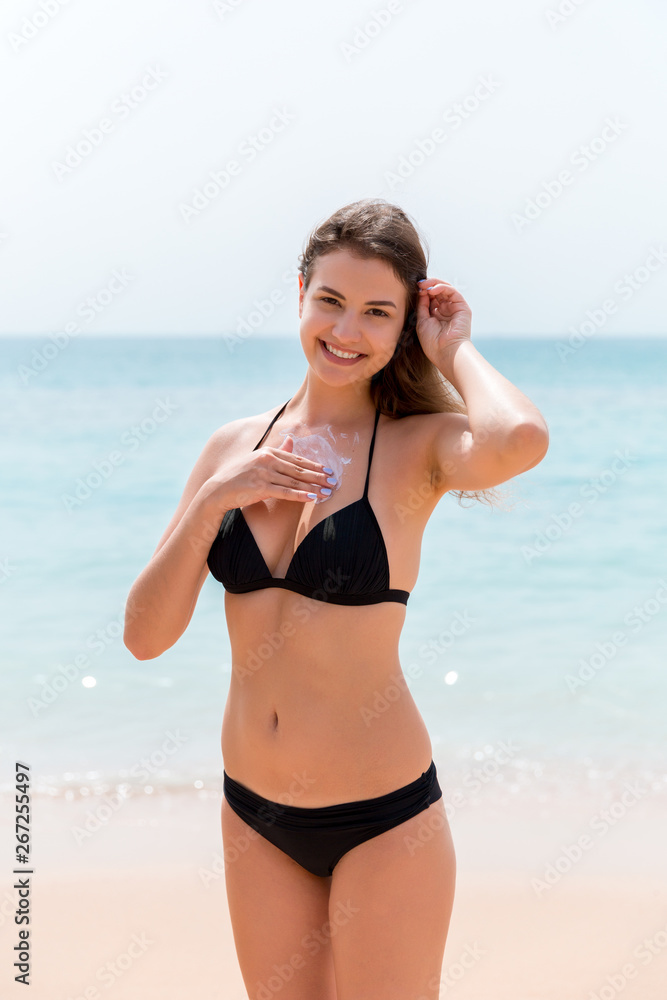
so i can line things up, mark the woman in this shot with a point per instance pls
(339, 864)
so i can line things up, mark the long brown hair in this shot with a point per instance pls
(409, 383)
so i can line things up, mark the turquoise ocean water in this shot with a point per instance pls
(564, 598)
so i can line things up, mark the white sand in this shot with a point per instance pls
(135, 884)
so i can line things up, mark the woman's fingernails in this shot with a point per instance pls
(329, 472)
(312, 496)
(325, 490)
(332, 480)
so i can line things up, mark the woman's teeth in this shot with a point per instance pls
(340, 354)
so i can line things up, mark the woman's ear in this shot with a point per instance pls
(301, 293)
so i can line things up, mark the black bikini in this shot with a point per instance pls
(318, 838)
(342, 560)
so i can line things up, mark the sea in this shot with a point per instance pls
(535, 642)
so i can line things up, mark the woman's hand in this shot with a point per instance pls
(269, 472)
(443, 317)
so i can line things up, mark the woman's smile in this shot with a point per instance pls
(338, 356)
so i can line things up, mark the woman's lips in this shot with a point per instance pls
(340, 361)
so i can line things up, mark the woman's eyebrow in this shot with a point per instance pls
(325, 288)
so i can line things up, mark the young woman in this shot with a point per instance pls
(339, 863)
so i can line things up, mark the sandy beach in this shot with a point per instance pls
(137, 907)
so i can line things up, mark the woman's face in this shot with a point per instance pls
(355, 305)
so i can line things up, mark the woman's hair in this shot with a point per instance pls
(409, 383)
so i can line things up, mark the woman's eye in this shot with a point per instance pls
(326, 298)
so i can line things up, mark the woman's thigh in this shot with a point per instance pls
(279, 914)
(398, 889)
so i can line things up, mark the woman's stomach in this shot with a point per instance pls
(320, 713)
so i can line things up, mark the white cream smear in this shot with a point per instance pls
(323, 448)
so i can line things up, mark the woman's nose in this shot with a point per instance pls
(346, 328)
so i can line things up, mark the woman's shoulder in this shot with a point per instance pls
(242, 430)
(414, 439)
(418, 428)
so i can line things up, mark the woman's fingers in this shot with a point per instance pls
(302, 479)
(286, 490)
(291, 455)
(301, 468)
(299, 482)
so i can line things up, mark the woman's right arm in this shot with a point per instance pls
(163, 597)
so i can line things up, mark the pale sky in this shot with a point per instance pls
(531, 145)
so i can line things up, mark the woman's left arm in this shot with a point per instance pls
(503, 432)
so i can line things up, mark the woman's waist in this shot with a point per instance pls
(325, 753)
(322, 780)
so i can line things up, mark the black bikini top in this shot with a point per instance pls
(342, 559)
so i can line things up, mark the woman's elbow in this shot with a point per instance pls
(138, 651)
(529, 443)
(144, 650)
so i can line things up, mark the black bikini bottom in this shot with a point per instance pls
(318, 838)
